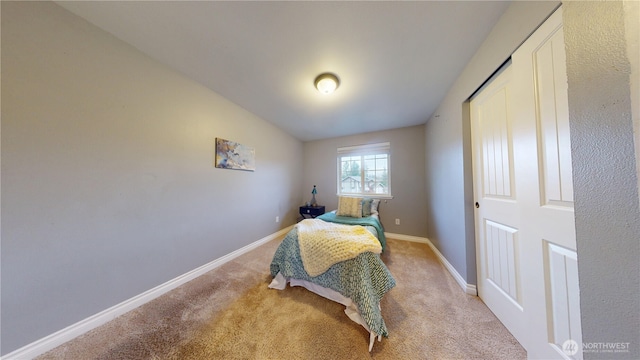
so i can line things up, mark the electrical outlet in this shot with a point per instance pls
(397, 221)
(277, 218)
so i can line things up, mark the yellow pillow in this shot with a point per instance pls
(349, 206)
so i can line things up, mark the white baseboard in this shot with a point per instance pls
(58, 338)
(467, 288)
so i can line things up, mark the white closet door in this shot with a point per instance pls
(498, 222)
(525, 227)
(542, 150)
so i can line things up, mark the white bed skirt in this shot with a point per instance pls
(280, 283)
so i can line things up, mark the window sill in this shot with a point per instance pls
(372, 196)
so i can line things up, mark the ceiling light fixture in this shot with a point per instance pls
(327, 83)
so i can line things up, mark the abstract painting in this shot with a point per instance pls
(231, 155)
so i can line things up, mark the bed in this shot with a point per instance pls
(357, 280)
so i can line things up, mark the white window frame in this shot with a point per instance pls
(363, 150)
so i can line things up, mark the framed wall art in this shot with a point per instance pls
(232, 155)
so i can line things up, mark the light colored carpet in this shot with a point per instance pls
(229, 313)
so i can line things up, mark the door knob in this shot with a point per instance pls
(477, 205)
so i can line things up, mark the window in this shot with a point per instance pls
(363, 170)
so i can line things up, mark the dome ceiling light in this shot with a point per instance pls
(327, 83)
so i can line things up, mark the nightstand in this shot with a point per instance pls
(311, 211)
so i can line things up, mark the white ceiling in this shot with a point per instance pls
(396, 60)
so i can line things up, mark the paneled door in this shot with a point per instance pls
(525, 227)
(542, 150)
(498, 220)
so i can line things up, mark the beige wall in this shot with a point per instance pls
(448, 153)
(632, 33)
(407, 176)
(607, 209)
(108, 183)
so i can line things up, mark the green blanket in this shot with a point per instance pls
(365, 221)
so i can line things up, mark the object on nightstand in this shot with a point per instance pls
(313, 197)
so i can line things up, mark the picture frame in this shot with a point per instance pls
(235, 156)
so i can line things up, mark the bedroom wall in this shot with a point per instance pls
(607, 212)
(448, 182)
(108, 182)
(407, 176)
(632, 33)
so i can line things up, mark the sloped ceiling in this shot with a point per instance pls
(395, 60)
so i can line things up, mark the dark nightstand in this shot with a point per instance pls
(311, 211)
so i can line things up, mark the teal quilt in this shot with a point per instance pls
(364, 279)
